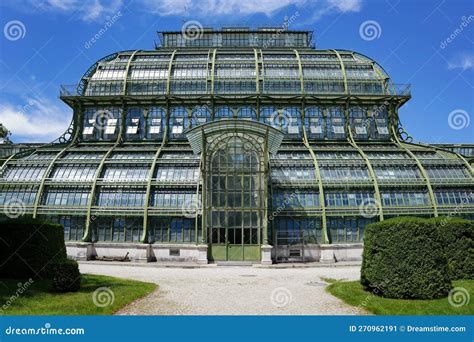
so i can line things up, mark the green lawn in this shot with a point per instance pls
(38, 299)
(352, 293)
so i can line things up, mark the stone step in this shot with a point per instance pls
(235, 263)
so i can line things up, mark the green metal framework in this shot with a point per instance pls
(337, 113)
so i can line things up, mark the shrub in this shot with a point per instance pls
(458, 237)
(28, 246)
(405, 258)
(66, 276)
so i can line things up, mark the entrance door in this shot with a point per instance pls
(234, 200)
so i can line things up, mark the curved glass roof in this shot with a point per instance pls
(234, 72)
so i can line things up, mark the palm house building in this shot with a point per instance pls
(234, 145)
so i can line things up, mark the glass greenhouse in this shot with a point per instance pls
(233, 145)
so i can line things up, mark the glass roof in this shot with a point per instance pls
(235, 72)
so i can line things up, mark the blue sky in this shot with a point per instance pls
(45, 44)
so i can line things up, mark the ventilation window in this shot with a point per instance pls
(315, 129)
(295, 253)
(338, 129)
(177, 129)
(133, 129)
(175, 252)
(155, 129)
(110, 128)
(293, 130)
(88, 130)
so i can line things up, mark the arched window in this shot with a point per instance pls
(267, 114)
(101, 123)
(359, 122)
(291, 122)
(315, 122)
(178, 122)
(155, 123)
(380, 122)
(134, 124)
(247, 113)
(335, 123)
(223, 112)
(200, 115)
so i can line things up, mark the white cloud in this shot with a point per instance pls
(346, 5)
(36, 120)
(87, 10)
(245, 7)
(217, 7)
(464, 62)
(98, 10)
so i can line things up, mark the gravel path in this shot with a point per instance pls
(233, 290)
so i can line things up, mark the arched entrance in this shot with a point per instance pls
(234, 176)
(235, 197)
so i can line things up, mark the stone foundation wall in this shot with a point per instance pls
(139, 252)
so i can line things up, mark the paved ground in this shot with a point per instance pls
(231, 290)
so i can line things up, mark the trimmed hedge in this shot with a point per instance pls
(66, 276)
(458, 237)
(405, 258)
(28, 246)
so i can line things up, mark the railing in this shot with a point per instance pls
(392, 89)
(69, 90)
(401, 90)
